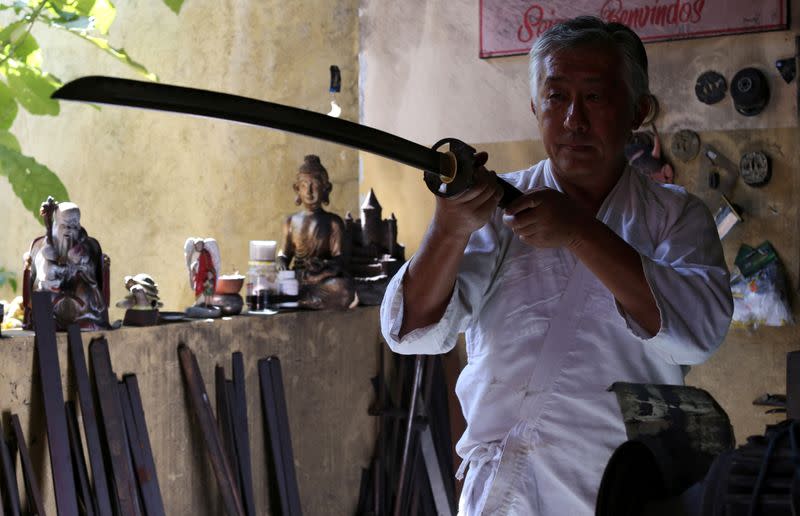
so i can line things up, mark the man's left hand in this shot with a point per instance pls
(547, 218)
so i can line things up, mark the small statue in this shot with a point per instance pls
(375, 254)
(203, 262)
(142, 302)
(142, 293)
(70, 264)
(313, 243)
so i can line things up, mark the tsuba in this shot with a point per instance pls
(754, 167)
(685, 145)
(710, 87)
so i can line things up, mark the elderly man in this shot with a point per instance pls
(595, 275)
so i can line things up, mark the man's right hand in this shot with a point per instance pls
(463, 213)
(431, 275)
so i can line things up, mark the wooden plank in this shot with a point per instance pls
(114, 428)
(224, 423)
(77, 360)
(154, 504)
(242, 433)
(272, 433)
(144, 470)
(279, 399)
(35, 502)
(11, 498)
(86, 502)
(55, 417)
(200, 404)
(128, 447)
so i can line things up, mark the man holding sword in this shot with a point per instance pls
(596, 274)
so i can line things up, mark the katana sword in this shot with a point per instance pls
(445, 173)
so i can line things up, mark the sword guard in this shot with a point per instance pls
(456, 172)
(456, 169)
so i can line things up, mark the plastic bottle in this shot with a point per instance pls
(262, 275)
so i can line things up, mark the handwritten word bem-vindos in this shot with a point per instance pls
(672, 12)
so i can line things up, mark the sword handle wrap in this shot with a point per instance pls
(456, 172)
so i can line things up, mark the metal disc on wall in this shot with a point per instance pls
(750, 91)
(685, 145)
(710, 87)
(754, 168)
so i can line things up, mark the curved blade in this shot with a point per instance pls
(179, 99)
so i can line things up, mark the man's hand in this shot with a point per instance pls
(547, 218)
(431, 275)
(469, 210)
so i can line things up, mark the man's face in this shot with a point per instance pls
(68, 227)
(585, 113)
(309, 188)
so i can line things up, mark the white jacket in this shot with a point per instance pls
(545, 340)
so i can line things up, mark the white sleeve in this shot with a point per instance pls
(472, 283)
(691, 285)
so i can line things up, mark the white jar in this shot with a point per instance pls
(289, 289)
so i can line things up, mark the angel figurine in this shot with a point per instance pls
(203, 262)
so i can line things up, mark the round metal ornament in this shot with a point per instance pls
(754, 168)
(685, 145)
(710, 87)
(750, 91)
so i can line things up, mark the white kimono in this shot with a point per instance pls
(546, 339)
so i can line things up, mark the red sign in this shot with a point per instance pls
(509, 27)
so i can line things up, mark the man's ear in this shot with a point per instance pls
(646, 109)
(533, 108)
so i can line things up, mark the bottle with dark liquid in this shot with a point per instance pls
(262, 274)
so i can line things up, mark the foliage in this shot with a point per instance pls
(25, 82)
(10, 277)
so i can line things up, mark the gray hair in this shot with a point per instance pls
(588, 30)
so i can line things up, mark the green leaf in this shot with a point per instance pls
(32, 89)
(68, 10)
(62, 10)
(8, 107)
(9, 140)
(104, 13)
(175, 5)
(25, 48)
(32, 182)
(118, 53)
(10, 277)
(84, 7)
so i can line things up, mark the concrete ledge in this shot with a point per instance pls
(327, 358)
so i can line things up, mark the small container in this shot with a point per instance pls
(229, 284)
(288, 289)
(262, 275)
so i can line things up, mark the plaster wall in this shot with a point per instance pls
(146, 181)
(422, 79)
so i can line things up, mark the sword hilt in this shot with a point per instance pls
(457, 172)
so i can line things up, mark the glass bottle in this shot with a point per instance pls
(262, 274)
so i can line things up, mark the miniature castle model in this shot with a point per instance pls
(374, 254)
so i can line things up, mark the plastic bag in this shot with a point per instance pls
(758, 284)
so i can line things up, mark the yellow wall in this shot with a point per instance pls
(146, 181)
